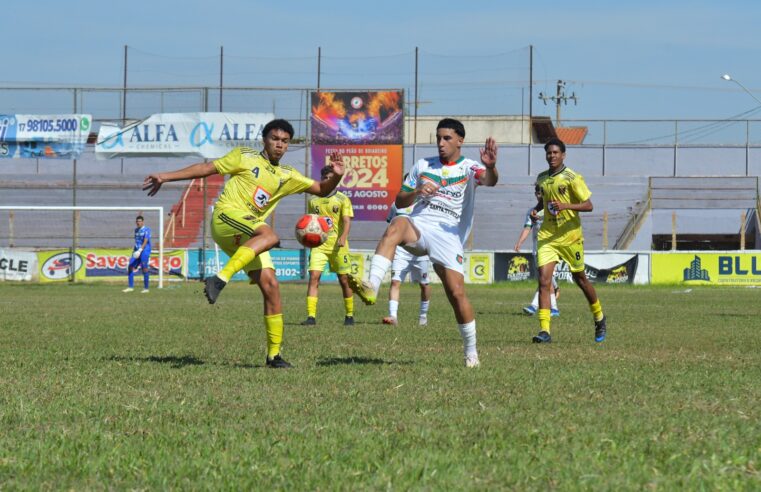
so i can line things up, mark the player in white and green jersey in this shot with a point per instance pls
(564, 195)
(257, 183)
(338, 211)
(443, 191)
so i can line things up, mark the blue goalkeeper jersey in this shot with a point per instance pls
(142, 233)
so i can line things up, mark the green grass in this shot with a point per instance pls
(94, 398)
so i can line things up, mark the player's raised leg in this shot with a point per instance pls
(399, 231)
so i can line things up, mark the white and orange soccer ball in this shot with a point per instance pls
(312, 230)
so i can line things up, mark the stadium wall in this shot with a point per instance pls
(739, 268)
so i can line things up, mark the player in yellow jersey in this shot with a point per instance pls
(257, 183)
(334, 252)
(564, 195)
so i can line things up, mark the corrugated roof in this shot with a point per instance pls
(572, 135)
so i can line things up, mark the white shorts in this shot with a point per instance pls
(406, 263)
(441, 242)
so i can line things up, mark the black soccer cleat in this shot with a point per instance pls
(310, 321)
(600, 330)
(542, 337)
(349, 321)
(213, 286)
(277, 362)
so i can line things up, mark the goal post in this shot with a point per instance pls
(76, 227)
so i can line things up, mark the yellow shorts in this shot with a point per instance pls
(548, 252)
(338, 258)
(231, 228)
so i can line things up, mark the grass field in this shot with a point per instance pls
(104, 390)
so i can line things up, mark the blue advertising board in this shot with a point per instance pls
(290, 264)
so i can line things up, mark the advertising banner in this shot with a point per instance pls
(367, 129)
(514, 267)
(599, 267)
(103, 264)
(604, 269)
(698, 268)
(206, 135)
(289, 264)
(44, 136)
(18, 265)
(478, 268)
(373, 176)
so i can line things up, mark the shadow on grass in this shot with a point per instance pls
(337, 361)
(173, 360)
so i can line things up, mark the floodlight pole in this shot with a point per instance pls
(729, 78)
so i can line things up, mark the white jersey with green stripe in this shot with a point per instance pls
(453, 203)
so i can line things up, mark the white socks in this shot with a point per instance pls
(468, 333)
(393, 308)
(378, 268)
(424, 308)
(553, 301)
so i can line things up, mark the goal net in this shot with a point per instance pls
(80, 228)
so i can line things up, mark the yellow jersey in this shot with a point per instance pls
(563, 229)
(255, 185)
(334, 207)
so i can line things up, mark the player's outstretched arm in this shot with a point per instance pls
(152, 183)
(326, 186)
(489, 160)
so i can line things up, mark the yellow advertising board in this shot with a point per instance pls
(478, 268)
(698, 268)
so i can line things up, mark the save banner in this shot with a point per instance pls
(207, 135)
(727, 268)
(97, 264)
(43, 136)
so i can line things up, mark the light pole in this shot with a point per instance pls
(729, 78)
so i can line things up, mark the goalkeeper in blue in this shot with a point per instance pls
(141, 252)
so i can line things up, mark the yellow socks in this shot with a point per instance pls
(349, 306)
(543, 315)
(312, 307)
(241, 258)
(596, 309)
(274, 324)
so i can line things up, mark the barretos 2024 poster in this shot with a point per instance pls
(367, 129)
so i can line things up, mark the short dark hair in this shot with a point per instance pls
(278, 124)
(557, 142)
(139, 217)
(325, 171)
(452, 124)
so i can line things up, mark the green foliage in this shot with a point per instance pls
(104, 390)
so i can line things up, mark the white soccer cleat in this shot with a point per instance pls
(144, 291)
(422, 320)
(128, 289)
(390, 320)
(472, 361)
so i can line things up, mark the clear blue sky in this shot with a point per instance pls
(643, 59)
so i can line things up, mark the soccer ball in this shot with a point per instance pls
(312, 230)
